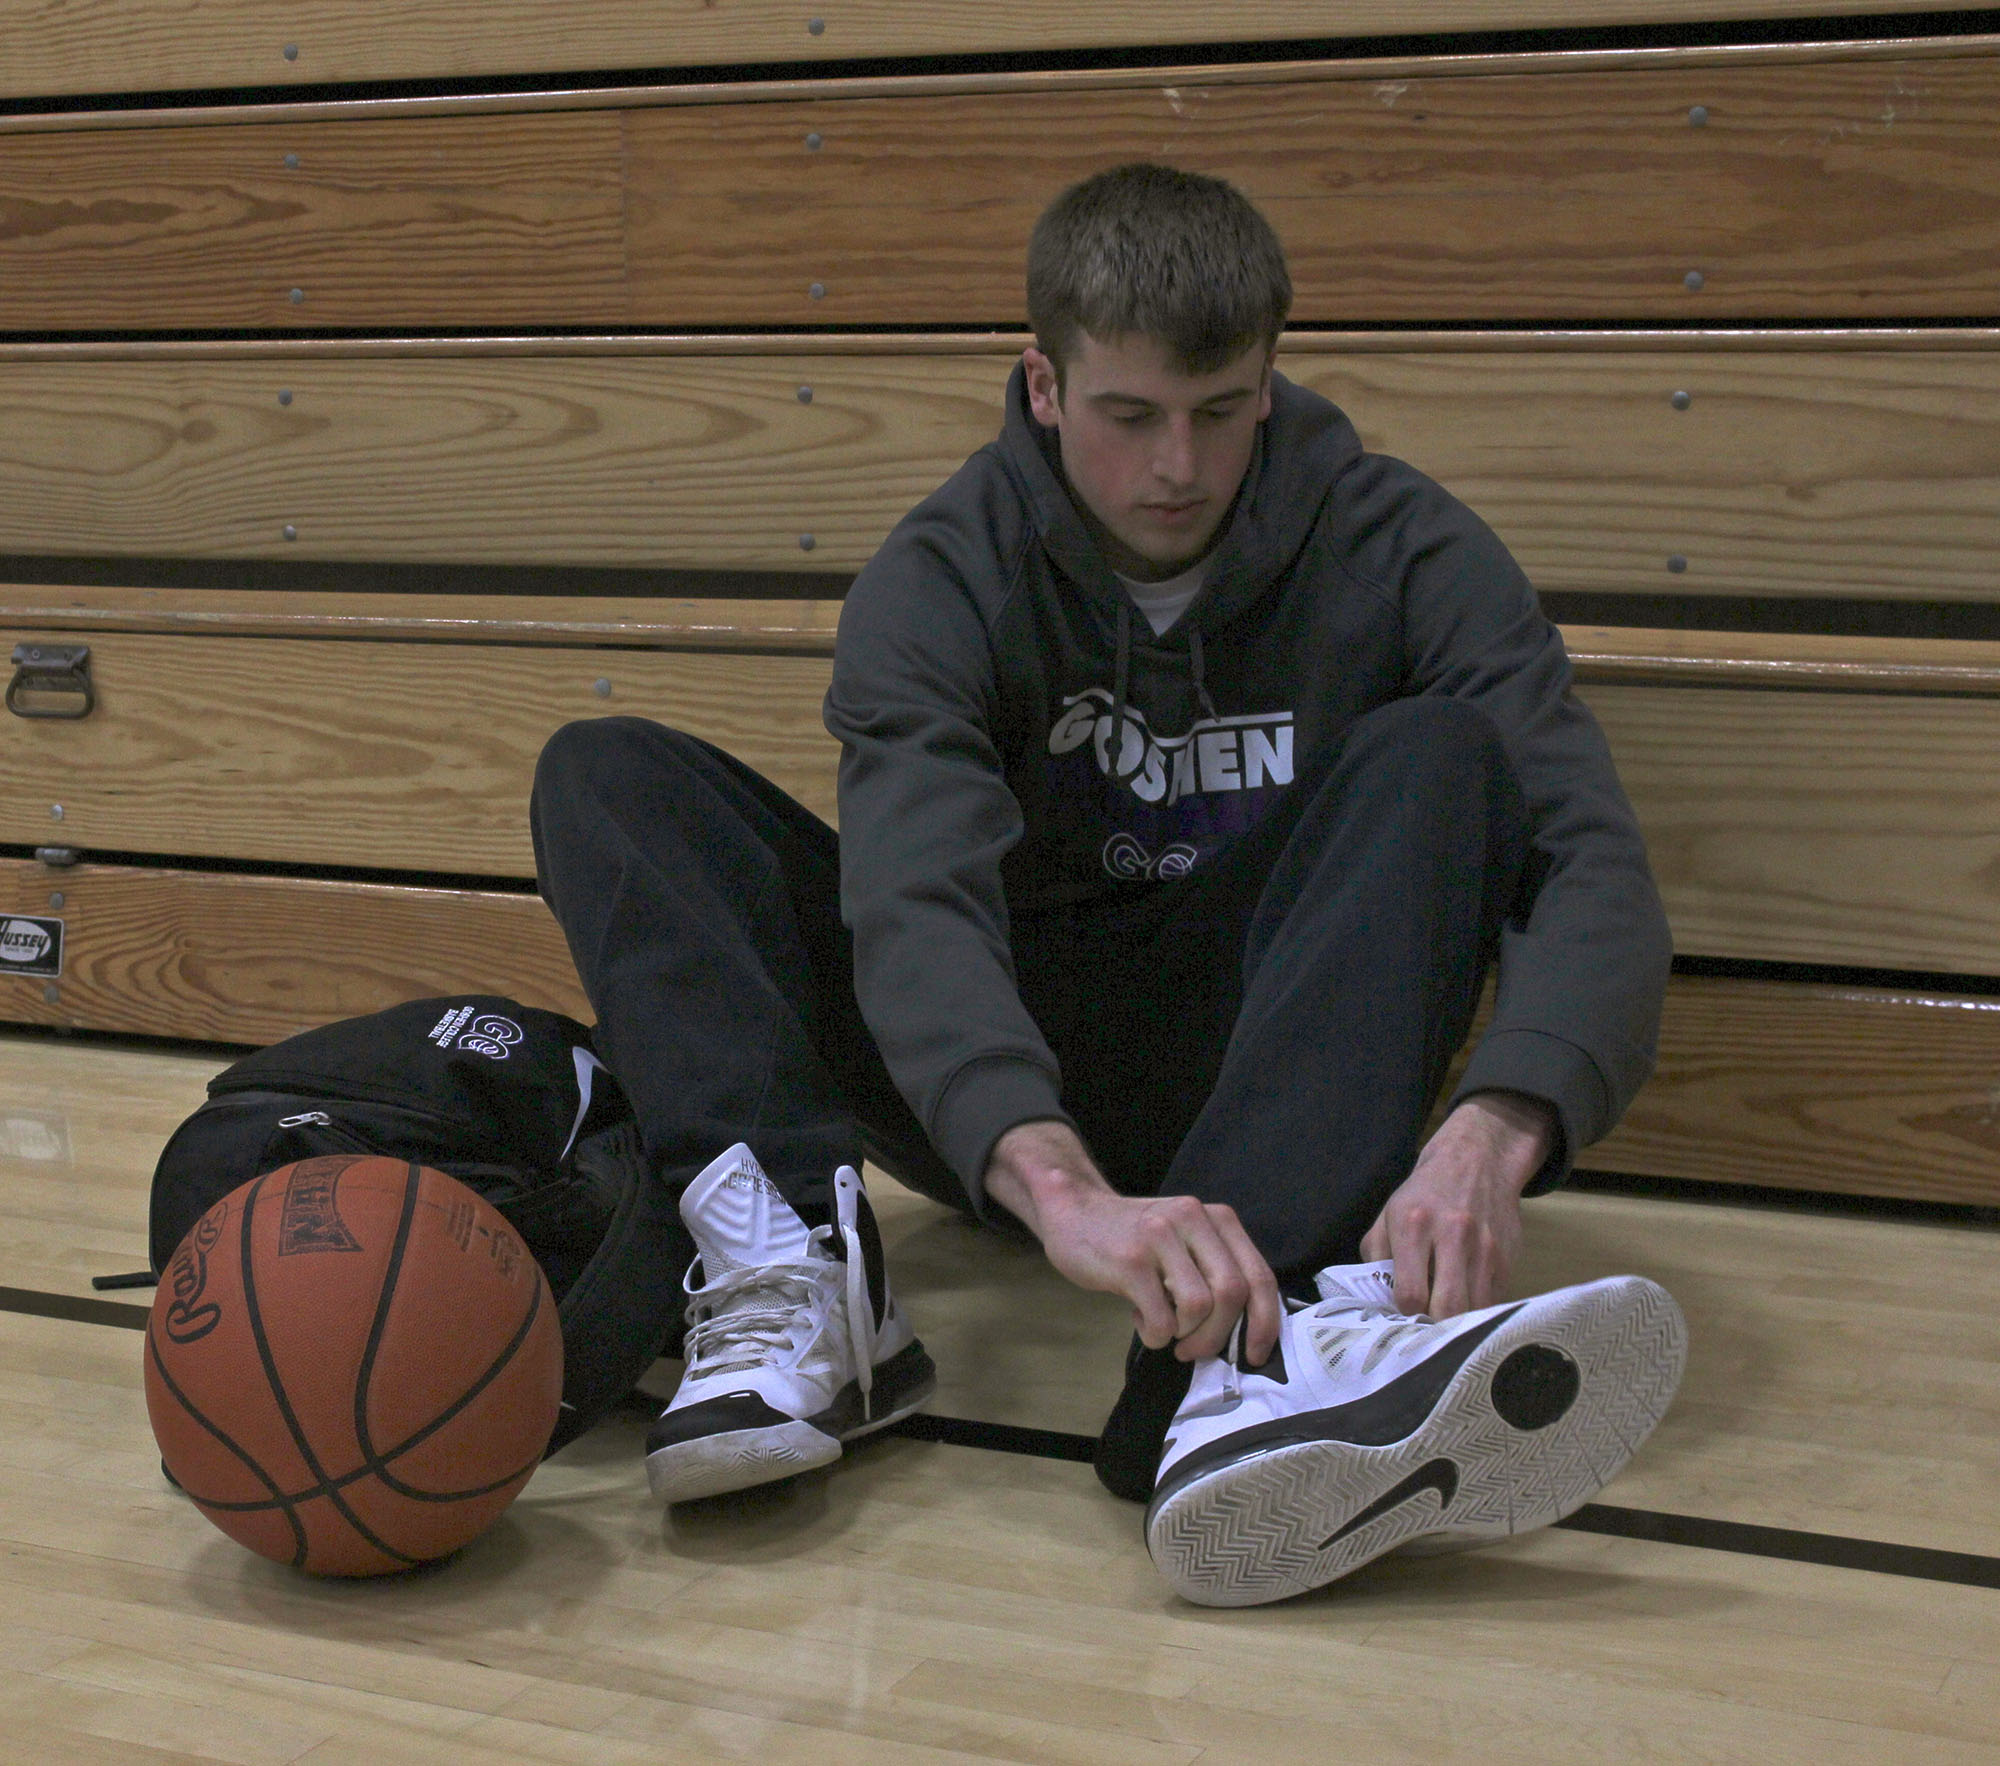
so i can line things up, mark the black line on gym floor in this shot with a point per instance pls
(76, 1310)
(1831, 1550)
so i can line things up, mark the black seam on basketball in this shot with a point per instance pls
(280, 1502)
(375, 1463)
(385, 1294)
(378, 1463)
(325, 1486)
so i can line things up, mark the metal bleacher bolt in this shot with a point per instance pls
(297, 297)
(1697, 116)
(1677, 564)
(814, 142)
(285, 397)
(53, 994)
(291, 533)
(817, 291)
(807, 542)
(55, 812)
(57, 898)
(291, 162)
(601, 687)
(291, 52)
(1693, 281)
(1681, 400)
(816, 27)
(805, 395)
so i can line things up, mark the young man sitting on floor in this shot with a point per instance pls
(1198, 766)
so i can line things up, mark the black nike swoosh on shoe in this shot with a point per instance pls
(729, 1414)
(1380, 1419)
(1440, 1475)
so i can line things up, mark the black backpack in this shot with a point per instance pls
(511, 1101)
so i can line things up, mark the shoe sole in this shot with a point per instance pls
(1289, 1517)
(715, 1465)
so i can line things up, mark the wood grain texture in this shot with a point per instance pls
(1819, 827)
(661, 622)
(1846, 189)
(249, 959)
(1855, 829)
(104, 46)
(1863, 190)
(412, 757)
(1862, 1090)
(373, 223)
(1794, 661)
(921, 1601)
(1872, 473)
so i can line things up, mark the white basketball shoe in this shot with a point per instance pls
(1368, 1430)
(794, 1342)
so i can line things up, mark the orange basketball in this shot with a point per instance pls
(353, 1365)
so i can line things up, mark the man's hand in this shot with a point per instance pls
(1454, 1225)
(1187, 1267)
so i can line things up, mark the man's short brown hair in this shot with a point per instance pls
(1148, 250)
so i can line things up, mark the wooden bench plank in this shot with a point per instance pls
(1845, 828)
(109, 46)
(1610, 655)
(1863, 1090)
(1526, 197)
(410, 757)
(380, 223)
(572, 621)
(1846, 188)
(243, 958)
(1793, 471)
(1869, 1091)
(1833, 826)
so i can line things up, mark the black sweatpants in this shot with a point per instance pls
(1270, 1032)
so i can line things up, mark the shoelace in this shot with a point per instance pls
(724, 1334)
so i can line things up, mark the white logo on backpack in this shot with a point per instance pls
(492, 1035)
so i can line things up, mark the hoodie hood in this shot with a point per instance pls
(1302, 448)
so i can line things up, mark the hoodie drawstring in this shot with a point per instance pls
(1121, 679)
(1195, 672)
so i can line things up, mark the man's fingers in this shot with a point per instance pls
(1152, 1309)
(1263, 1309)
(1410, 1243)
(1375, 1242)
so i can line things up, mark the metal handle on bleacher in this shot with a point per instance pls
(60, 672)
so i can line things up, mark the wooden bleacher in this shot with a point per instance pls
(1749, 353)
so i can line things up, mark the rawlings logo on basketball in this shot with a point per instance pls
(311, 1219)
(490, 1034)
(187, 1280)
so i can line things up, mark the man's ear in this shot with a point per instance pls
(1044, 388)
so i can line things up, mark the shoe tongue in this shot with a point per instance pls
(1368, 1287)
(738, 1218)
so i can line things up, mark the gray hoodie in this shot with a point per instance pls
(1015, 736)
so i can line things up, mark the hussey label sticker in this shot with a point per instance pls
(31, 947)
(311, 1218)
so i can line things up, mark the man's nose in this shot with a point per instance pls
(1173, 460)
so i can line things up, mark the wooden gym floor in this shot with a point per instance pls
(929, 1599)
